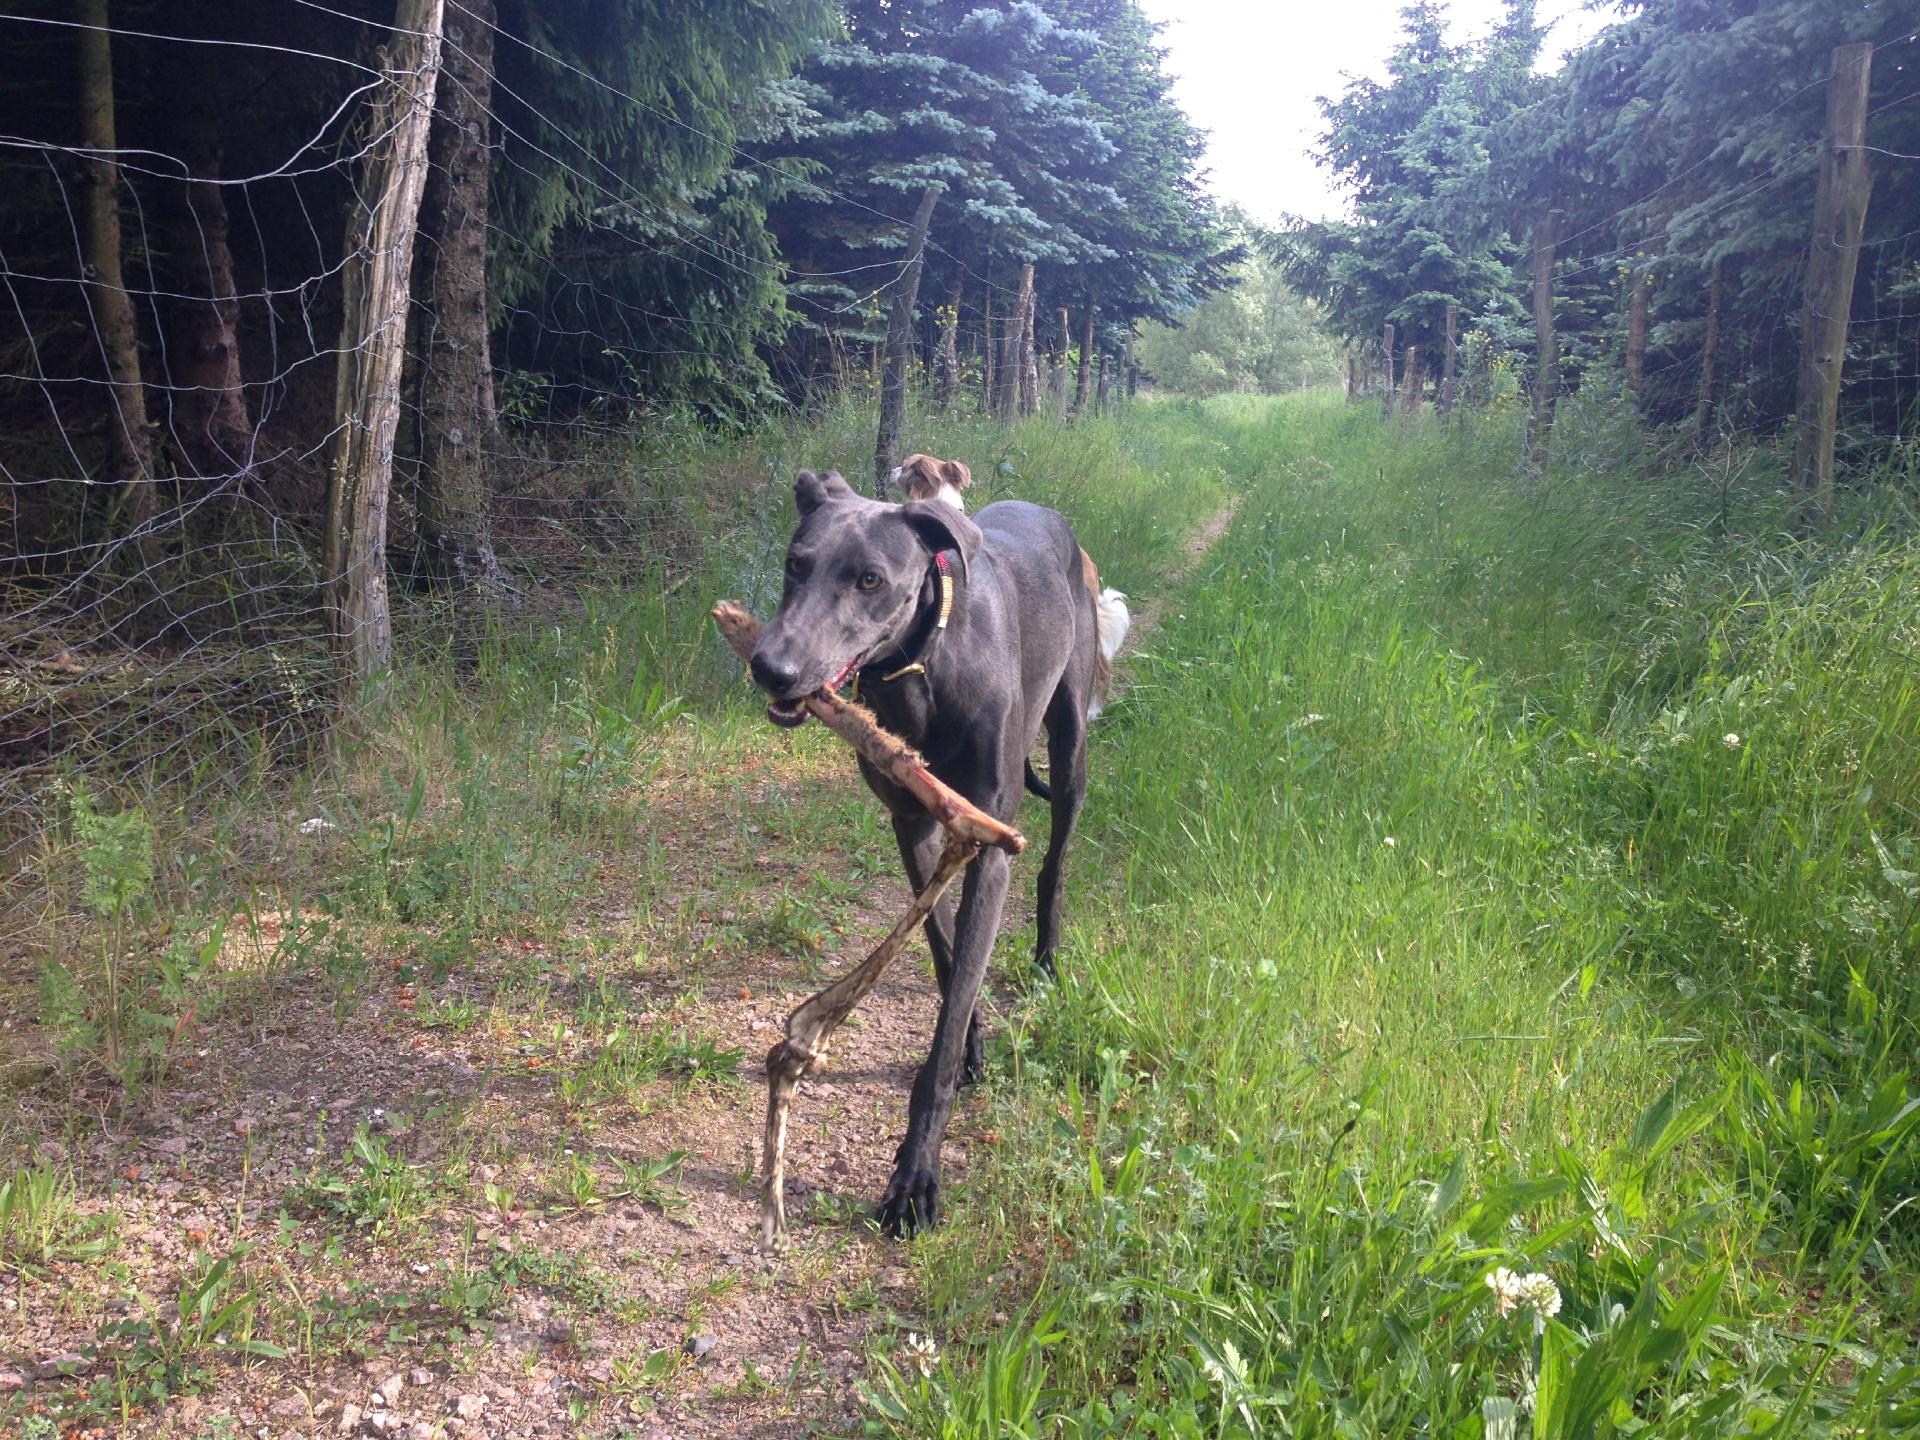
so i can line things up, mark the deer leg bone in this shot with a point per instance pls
(811, 1026)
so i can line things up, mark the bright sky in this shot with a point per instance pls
(1249, 71)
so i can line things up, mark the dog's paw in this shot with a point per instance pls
(912, 1203)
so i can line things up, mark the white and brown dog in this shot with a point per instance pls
(926, 477)
(922, 477)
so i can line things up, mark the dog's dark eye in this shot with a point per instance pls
(869, 581)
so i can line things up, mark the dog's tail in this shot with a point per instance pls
(1036, 784)
(1111, 622)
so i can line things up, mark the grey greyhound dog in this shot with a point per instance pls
(967, 635)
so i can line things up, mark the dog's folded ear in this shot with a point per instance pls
(811, 491)
(942, 527)
(956, 474)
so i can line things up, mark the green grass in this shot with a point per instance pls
(1481, 872)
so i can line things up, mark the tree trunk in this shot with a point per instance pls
(1415, 378)
(949, 378)
(1709, 356)
(1546, 375)
(1100, 400)
(456, 394)
(1085, 378)
(1129, 372)
(1833, 256)
(893, 383)
(1450, 362)
(209, 400)
(1637, 330)
(373, 346)
(107, 293)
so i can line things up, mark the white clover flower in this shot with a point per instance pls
(317, 825)
(1730, 740)
(1539, 1291)
(923, 1352)
(1536, 1291)
(1506, 1290)
(1390, 842)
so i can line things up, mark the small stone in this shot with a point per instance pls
(421, 1430)
(469, 1407)
(67, 1362)
(389, 1389)
(699, 1346)
(173, 1145)
(349, 1420)
(11, 1380)
(891, 1278)
(385, 1422)
(419, 1375)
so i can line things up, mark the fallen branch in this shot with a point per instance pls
(886, 753)
(812, 1023)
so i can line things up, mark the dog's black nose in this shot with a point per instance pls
(777, 677)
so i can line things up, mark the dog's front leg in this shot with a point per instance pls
(912, 1201)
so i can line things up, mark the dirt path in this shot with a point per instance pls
(478, 1262)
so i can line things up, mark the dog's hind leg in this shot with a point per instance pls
(1067, 774)
(920, 842)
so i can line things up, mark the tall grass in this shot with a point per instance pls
(1484, 873)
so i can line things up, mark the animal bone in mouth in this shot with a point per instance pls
(812, 1023)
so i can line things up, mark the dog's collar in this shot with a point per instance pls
(943, 575)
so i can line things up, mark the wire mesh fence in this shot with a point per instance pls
(201, 367)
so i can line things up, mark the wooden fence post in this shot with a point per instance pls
(1100, 398)
(1546, 375)
(1386, 372)
(948, 385)
(893, 379)
(1449, 362)
(1062, 358)
(1083, 380)
(1012, 330)
(1029, 355)
(989, 371)
(1412, 381)
(373, 339)
(1833, 255)
(1709, 354)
